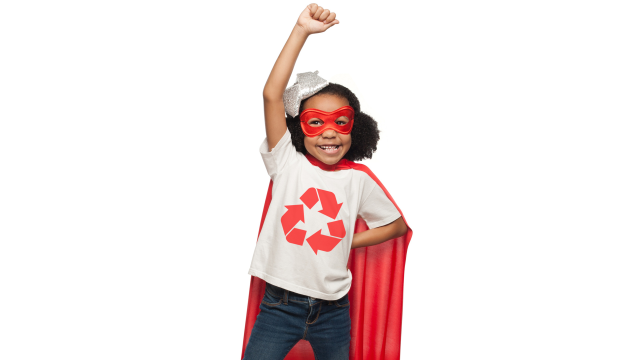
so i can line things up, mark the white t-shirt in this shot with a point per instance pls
(305, 240)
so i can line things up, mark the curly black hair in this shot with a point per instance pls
(364, 134)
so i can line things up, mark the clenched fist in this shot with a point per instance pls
(314, 19)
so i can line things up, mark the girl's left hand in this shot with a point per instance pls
(314, 19)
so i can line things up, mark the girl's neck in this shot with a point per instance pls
(340, 165)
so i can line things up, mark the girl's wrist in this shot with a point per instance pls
(299, 30)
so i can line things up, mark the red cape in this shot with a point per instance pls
(375, 295)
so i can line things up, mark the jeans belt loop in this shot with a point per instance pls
(286, 296)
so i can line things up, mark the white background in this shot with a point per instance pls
(132, 187)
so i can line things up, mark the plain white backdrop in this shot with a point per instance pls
(131, 186)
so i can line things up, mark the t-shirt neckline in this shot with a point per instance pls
(343, 164)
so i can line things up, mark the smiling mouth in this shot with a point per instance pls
(330, 149)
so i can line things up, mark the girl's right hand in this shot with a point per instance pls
(314, 19)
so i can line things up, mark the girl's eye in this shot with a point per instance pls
(315, 122)
(342, 120)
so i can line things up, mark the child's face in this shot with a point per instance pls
(314, 145)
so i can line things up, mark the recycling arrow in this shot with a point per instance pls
(318, 241)
(330, 206)
(295, 214)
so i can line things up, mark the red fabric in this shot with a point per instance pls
(375, 295)
(329, 119)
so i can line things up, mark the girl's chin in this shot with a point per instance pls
(328, 159)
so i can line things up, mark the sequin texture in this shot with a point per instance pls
(306, 85)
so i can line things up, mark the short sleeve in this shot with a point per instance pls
(281, 156)
(377, 210)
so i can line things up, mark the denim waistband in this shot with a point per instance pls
(288, 295)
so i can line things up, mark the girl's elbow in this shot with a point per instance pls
(401, 227)
(271, 94)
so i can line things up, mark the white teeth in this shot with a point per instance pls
(329, 147)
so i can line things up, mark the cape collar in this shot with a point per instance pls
(343, 164)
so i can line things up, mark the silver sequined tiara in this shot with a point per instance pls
(307, 84)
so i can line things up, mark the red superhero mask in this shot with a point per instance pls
(329, 120)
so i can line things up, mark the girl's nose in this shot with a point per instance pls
(329, 134)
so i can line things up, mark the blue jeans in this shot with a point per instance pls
(286, 317)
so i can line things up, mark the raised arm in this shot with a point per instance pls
(314, 19)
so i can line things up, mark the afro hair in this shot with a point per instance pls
(364, 134)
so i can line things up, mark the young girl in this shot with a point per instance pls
(321, 207)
